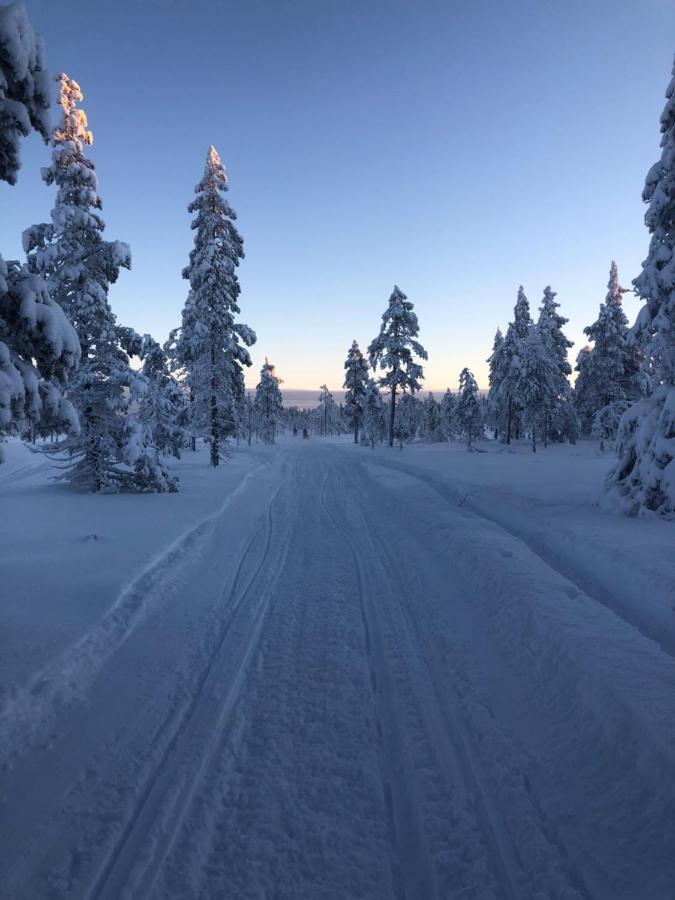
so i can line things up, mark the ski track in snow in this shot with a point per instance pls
(383, 696)
(29, 712)
(233, 652)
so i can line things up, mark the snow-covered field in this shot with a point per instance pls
(324, 671)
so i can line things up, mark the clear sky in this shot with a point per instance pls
(457, 149)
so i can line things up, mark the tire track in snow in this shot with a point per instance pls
(450, 741)
(236, 646)
(396, 807)
(30, 710)
(491, 817)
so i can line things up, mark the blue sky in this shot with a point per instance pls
(457, 149)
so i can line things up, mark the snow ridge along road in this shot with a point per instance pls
(354, 688)
(27, 715)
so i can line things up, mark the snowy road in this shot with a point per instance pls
(342, 685)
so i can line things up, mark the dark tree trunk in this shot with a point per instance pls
(392, 414)
(215, 431)
(508, 422)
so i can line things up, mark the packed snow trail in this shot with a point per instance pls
(354, 689)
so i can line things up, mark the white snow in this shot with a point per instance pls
(327, 671)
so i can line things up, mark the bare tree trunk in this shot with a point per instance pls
(508, 423)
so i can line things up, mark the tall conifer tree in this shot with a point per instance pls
(211, 347)
(394, 349)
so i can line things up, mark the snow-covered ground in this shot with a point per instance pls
(324, 671)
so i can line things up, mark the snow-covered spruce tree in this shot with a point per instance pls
(409, 415)
(536, 383)
(468, 408)
(611, 379)
(644, 478)
(393, 350)
(448, 415)
(373, 415)
(38, 350)
(560, 420)
(356, 383)
(211, 347)
(432, 419)
(24, 87)
(268, 402)
(497, 409)
(111, 451)
(504, 400)
(38, 347)
(162, 407)
(584, 395)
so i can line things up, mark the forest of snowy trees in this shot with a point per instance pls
(114, 406)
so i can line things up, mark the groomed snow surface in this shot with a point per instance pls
(323, 671)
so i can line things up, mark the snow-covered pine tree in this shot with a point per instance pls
(163, 407)
(611, 380)
(448, 415)
(356, 383)
(468, 408)
(644, 478)
(111, 452)
(560, 418)
(432, 419)
(268, 402)
(38, 347)
(24, 87)
(373, 415)
(393, 350)
(211, 347)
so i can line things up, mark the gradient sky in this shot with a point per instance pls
(457, 149)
